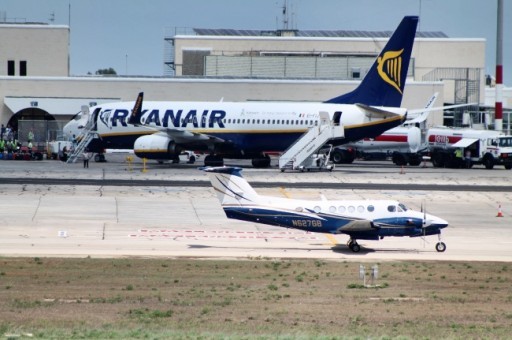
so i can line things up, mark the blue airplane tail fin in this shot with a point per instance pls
(384, 83)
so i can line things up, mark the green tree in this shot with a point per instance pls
(106, 71)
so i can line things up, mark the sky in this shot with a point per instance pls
(128, 35)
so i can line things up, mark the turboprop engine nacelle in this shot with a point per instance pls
(155, 147)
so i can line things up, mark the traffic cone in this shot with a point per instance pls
(500, 214)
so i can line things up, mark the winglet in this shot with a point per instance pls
(136, 115)
(384, 83)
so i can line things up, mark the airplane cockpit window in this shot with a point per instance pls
(391, 208)
(402, 207)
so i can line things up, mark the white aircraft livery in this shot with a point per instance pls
(162, 129)
(359, 219)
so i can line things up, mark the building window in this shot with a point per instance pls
(11, 68)
(23, 68)
(356, 73)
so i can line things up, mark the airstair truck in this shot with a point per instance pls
(485, 147)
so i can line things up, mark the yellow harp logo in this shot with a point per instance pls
(389, 67)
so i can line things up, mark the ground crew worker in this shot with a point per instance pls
(458, 156)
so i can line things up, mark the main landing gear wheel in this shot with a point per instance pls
(440, 247)
(354, 246)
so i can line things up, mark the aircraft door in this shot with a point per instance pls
(336, 118)
(94, 118)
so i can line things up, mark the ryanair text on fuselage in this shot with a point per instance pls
(170, 118)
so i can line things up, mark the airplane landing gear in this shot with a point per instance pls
(213, 160)
(261, 162)
(440, 247)
(354, 246)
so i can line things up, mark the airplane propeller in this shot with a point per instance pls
(424, 222)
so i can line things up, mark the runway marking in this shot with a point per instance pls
(222, 234)
(283, 191)
(332, 239)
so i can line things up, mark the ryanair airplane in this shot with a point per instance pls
(359, 219)
(161, 130)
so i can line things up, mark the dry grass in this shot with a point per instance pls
(253, 298)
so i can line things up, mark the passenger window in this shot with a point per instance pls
(332, 209)
(351, 209)
(371, 208)
(341, 209)
(317, 209)
(391, 208)
(360, 209)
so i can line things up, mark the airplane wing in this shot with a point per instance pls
(183, 136)
(423, 115)
(179, 136)
(438, 108)
(357, 226)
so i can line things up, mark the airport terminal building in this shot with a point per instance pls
(37, 89)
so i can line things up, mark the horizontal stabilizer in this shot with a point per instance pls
(373, 111)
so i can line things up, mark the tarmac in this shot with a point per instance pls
(73, 220)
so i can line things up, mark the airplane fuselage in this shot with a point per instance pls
(245, 128)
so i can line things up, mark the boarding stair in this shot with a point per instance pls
(88, 134)
(300, 155)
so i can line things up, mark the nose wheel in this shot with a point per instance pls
(354, 246)
(440, 246)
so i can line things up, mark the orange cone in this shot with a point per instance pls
(500, 214)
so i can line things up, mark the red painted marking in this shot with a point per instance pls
(391, 138)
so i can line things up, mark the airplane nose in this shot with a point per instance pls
(438, 222)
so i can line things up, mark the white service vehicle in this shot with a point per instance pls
(485, 147)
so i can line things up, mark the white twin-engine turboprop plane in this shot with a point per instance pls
(359, 219)
(161, 130)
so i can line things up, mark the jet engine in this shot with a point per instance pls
(156, 146)
(414, 139)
